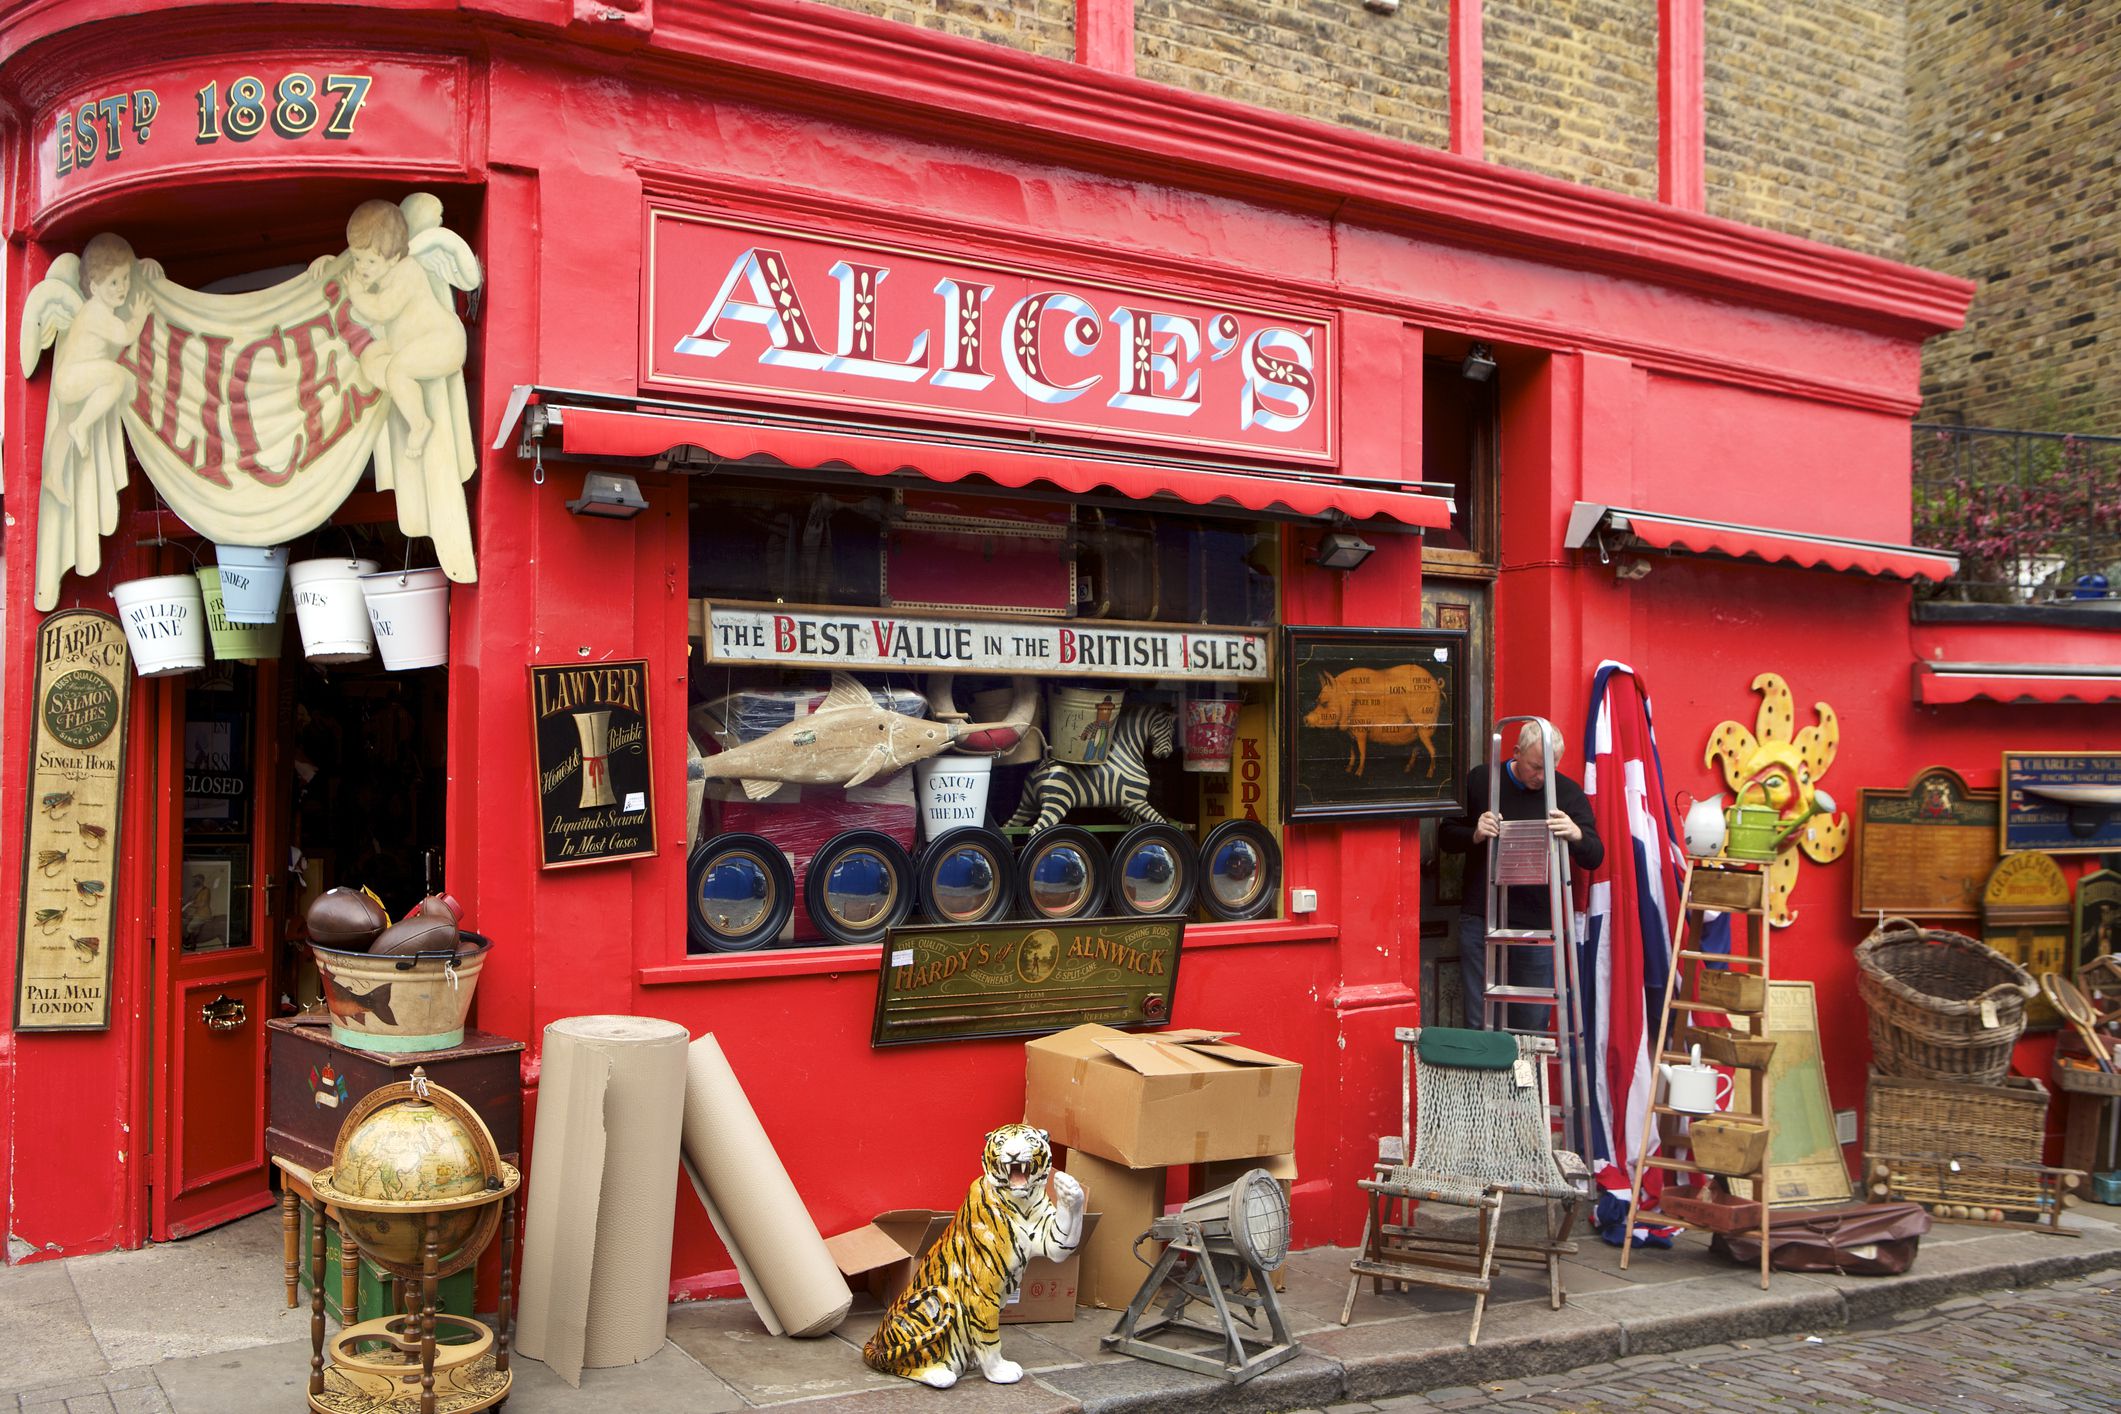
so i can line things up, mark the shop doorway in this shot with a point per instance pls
(277, 779)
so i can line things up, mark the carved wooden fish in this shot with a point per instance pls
(56, 801)
(846, 741)
(49, 860)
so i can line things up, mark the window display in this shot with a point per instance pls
(1067, 684)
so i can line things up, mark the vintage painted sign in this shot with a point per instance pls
(1927, 851)
(857, 639)
(255, 414)
(1019, 979)
(70, 853)
(2062, 803)
(2098, 918)
(746, 309)
(596, 781)
(343, 110)
(2025, 916)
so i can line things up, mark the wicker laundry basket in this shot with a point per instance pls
(1943, 1006)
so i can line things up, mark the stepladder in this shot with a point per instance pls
(1716, 1004)
(1531, 972)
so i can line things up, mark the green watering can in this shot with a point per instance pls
(1757, 832)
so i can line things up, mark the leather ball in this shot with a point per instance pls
(419, 933)
(348, 919)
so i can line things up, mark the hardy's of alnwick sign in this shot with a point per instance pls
(1017, 979)
(70, 850)
(596, 788)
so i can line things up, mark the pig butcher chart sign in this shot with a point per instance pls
(1372, 721)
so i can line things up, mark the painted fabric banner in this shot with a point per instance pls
(256, 414)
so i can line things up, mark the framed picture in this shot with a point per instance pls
(1373, 719)
(206, 909)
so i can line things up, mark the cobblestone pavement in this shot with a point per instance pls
(2052, 1348)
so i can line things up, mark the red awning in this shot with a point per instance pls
(1753, 542)
(1942, 684)
(636, 432)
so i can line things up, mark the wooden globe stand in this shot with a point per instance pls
(396, 1363)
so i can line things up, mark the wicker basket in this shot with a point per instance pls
(1927, 990)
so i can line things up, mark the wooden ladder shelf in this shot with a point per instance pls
(1734, 984)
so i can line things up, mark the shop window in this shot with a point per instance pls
(1052, 705)
(1458, 438)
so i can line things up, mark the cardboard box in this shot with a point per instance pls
(1224, 1172)
(881, 1256)
(1130, 1199)
(1171, 1097)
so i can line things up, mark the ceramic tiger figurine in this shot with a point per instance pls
(950, 1316)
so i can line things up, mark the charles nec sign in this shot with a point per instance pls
(746, 309)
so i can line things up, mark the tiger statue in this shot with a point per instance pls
(950, 1315)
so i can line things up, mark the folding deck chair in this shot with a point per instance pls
(1480, 1101)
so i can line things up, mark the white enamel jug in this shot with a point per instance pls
(1701, 824)
(1694, 1087)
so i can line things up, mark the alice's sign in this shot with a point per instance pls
(255, 414)
(744, 309)
(70, 854)
(948, 983)
(857, 639)
(596, 776)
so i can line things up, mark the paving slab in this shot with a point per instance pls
(1304, 1382)
(45, 1337)
(1427, 1352)
(1727, 1306)
(727, 1339)
(668, 1382)
(259, 1379)
(970, 1395)
(221, 1290)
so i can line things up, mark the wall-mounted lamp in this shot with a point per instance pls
(1342, 551)
(1479, 365)
(1629, 567)
(609, 495)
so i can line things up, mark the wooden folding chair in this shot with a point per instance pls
(1483, 1136)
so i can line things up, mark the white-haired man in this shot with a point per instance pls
(1523, 797)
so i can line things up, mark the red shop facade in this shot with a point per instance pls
(854, 306)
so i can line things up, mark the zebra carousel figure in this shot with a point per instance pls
(1057, 789)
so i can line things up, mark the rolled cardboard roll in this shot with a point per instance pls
(599, 1221)
(791, 1279)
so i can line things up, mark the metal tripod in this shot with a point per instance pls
(1527, 853)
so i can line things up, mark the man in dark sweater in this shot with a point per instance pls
(1523, 798)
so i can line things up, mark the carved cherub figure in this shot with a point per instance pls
(93, 306)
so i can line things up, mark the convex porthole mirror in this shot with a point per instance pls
(1061, 873)
(1154, 872)
(859, 888)
(739, 894)
(967, 876)
(1240, 867)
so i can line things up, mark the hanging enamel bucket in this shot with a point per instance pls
(252, 577)
(235, 642)
(165, 623)
(330, 611)
(409, 611)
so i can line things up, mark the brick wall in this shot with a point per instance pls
(2015, 121)
(1572, 90)
(1806, 111)
(1044, 27)
(1331, 60)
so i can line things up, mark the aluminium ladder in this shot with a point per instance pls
(1528, 853)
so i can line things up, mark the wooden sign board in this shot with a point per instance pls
(70, 850)
(2062, 802)
(1805, 1166)
(596, 777)
(2025, 916)
(2098, 917)
(949, 983)
(1925, 852)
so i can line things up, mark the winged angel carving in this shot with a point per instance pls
(92, 305)
(258, 474)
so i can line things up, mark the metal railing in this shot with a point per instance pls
(2035, 517)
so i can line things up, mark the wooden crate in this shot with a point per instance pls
(1727, 1046)
(1728, 1146)
(1742, 992)
(1717, 1211)
(1725, 888)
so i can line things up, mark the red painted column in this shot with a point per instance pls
(1104, 35)
(1681, 126)
(1468, 100)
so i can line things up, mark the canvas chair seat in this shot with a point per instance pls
(1477, 1136)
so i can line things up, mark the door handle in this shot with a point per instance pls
(223, 1013)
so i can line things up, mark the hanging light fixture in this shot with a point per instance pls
(1340, 550)
(609, 495)
(1479, 364)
